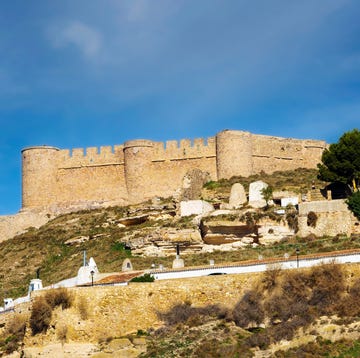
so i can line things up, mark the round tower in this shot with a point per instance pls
(233, 154)
(39, 165)
(137, 158)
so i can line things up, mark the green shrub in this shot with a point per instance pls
(144, 278)
(354, 204)
(211, 185)
(121, 248)
(40, 318)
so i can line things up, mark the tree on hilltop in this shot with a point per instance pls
(341, 161)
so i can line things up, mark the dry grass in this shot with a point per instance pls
(282, 302)
(61, 333)
(14, 333)
(59, 297)
(83, 307)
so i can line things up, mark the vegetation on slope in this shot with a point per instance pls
(283, 305)
(38, 320)
(45, 247)
(299, 181)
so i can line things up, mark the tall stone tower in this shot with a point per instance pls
(234, 154)
(39, 165)
(137, 157)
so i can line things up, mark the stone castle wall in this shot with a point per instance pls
(141, 169)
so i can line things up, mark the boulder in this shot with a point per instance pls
(237, 196)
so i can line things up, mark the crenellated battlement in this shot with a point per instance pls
(184, 149)
(91, 156)
(140, 169)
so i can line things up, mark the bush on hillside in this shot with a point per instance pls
(354, 204)
(185, 313)
(328, 285)
(291, 218)
(311, 219)
(249, 310)
(59, 297)
(14, 333)
(144, 278)
(271, 277)
(40, 318)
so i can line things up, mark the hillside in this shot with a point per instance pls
(106, 234)
(307, 313)
(298, 313)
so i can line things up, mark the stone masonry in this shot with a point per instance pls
(141, 169)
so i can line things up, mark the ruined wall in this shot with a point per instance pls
(274, 153)
(141, 169)
(12, 225)
(333, 218)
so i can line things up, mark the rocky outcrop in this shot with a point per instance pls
(192, 184)
(162, 242)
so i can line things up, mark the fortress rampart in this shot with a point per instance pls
(141, 169)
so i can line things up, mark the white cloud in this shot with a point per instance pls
(76, 33)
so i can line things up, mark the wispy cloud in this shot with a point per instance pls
(84, 37)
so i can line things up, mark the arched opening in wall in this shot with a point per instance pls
(338, 190)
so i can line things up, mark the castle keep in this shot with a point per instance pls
(141, 169)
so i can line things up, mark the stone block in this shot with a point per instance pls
(195, 207)
(256, 199)
(292, 201)
(178, 263)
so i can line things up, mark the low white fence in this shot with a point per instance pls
(261, 266)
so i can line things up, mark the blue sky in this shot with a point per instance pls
(90, 73)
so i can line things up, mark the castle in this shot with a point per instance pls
(141, 169)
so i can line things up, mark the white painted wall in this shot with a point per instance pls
(260, 267)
